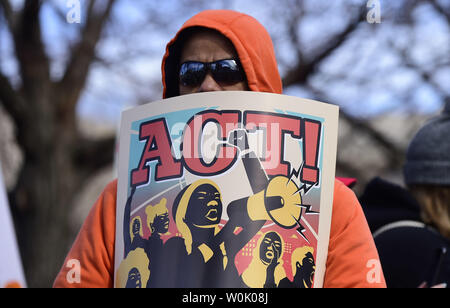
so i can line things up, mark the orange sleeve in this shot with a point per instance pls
(352, 260)
(93, 249)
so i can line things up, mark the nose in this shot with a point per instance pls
(209, 84)
(212, 203)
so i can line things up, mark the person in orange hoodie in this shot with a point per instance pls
(237, 42)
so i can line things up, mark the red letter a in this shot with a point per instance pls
(158, 147)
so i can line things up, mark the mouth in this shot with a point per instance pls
(212, 215)
(270, 255)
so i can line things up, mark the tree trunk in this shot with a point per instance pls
(56, 158)
(47, 184)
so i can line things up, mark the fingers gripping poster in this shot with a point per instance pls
(225, 189)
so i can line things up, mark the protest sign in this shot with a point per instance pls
(225, 189)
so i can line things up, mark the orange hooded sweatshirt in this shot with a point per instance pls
(352, 257)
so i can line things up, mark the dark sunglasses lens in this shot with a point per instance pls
(192, 73)
(227, 71)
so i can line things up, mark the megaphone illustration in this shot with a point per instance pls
(277, 199)
(280, 202)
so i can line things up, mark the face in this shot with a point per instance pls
(205, 207)
(161, 223)
(134, 279)
(209, 46)
(136, 227)
(307, 270)
(270, 247)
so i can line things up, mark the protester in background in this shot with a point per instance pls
(241, 44)
(411, 226)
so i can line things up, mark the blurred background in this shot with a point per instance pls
(68, 68)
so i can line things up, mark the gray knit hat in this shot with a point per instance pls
(428, 154)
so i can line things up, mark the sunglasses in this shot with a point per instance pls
(227, 71)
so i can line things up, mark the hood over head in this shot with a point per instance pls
(250, 39)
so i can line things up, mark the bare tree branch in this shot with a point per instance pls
(391, 148)
(393, 151)
(443, 11)
(91, 155)
(77, 70)
(9, 14)
(301, 73)
(30, 51)
(59, 12)
(424, 74)
(11, 99)
(297, 10)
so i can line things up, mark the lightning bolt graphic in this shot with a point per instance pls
(300, 229)
(296, 174)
